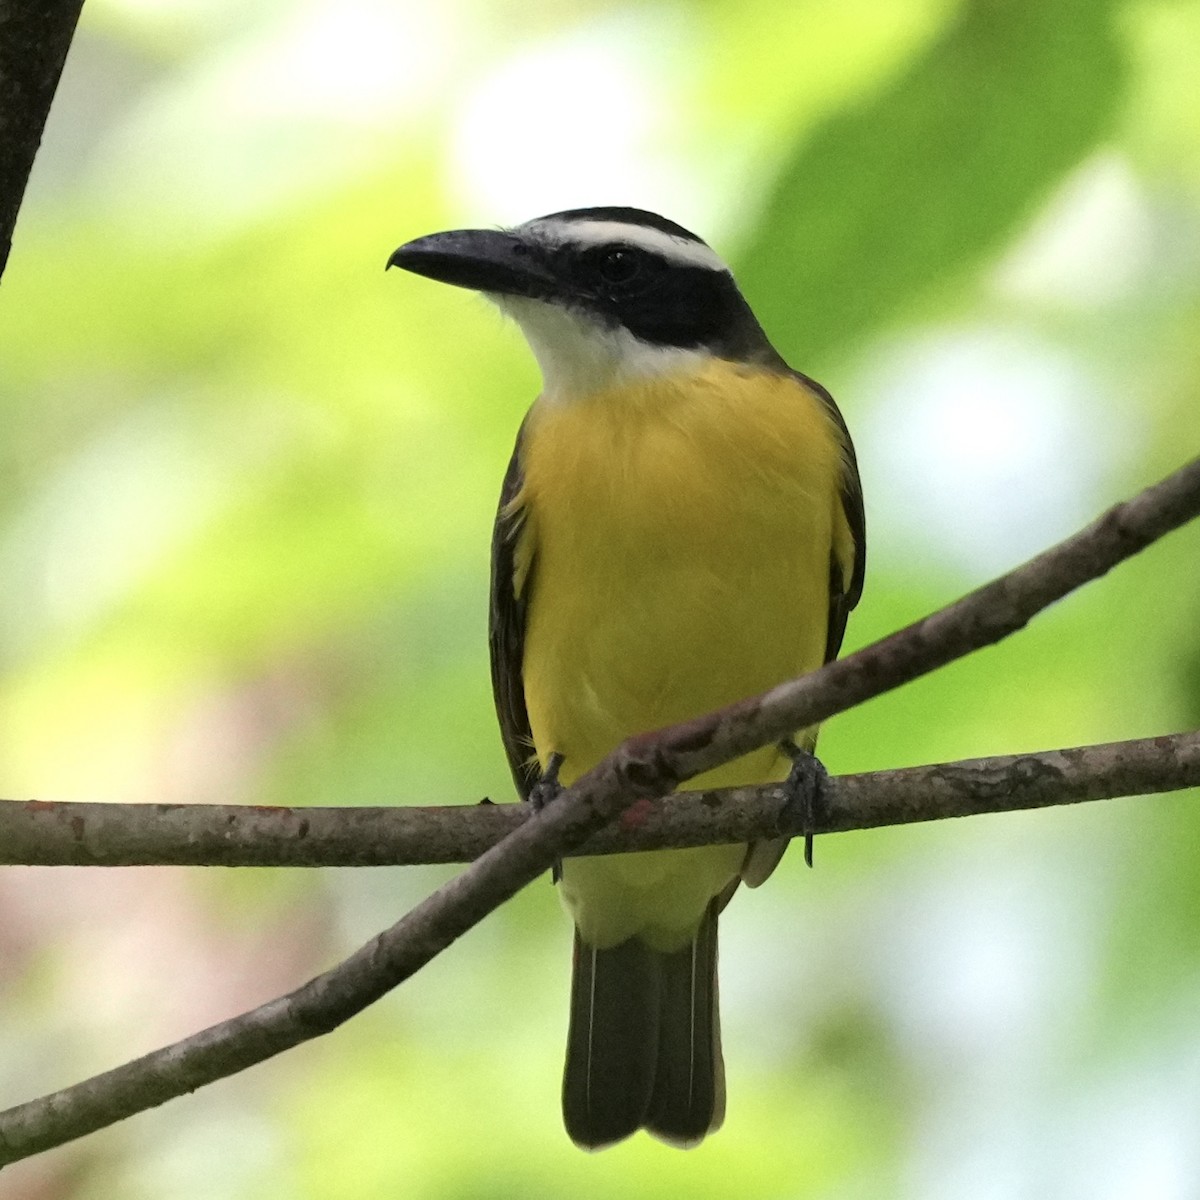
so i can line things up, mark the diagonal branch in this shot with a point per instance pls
(981, 618)
(640, 769)
(34, 833)
(34, 39)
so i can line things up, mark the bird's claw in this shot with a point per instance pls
(803, 792)
(547, 787)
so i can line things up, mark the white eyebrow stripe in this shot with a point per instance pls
(597, 233)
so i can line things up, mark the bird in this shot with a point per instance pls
(680, 526)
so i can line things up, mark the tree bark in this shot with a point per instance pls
(34, 40)
(35, 833)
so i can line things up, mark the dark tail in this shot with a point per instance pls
(644, 1046)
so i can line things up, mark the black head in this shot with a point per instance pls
(615, 268)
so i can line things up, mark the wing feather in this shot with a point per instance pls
(510, 586)
(846, 570)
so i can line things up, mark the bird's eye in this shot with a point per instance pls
(619, 267)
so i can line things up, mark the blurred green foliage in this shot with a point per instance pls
(1035, 86)
(246, 491)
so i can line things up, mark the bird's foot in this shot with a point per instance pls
(547, 787)
(803, 792)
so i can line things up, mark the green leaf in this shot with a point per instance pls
(920, 182)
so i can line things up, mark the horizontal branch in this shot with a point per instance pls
(125, 835)
(640, 769)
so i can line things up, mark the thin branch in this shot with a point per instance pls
(33, 833)
(639, 769)
(35, 36)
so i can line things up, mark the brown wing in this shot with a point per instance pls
(506, 630)
(845, 577)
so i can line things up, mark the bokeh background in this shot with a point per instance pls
(246, 489)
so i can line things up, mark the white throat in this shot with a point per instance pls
(579, 356)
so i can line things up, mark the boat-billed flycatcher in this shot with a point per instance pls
(681, 526)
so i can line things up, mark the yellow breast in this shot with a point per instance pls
(678, 534)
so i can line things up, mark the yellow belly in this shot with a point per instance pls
(680, 536)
